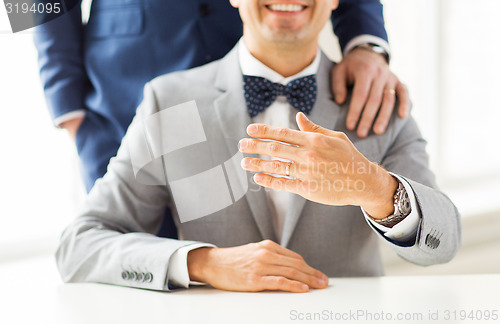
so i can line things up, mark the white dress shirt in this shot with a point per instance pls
(281, 113)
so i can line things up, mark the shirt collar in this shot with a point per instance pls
(253, 67)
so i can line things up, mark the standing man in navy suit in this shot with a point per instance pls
(93, 74)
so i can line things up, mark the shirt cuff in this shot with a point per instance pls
(365, 39)
(68, 116)
(178, 274)
(407, 228)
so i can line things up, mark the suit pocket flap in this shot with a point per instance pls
(115, 22)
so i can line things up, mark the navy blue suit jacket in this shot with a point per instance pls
(102, 67)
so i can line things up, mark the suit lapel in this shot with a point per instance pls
(325, 113)
(233, 116)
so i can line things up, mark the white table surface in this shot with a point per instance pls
(31, 292)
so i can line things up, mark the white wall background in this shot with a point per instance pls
(38, 190)
(445, 51)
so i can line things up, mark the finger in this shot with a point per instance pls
(282, 283)
(359, 97)
(272, 167)
(306, 125)
(281, 134)
(271, 148)
(404, 100)
(297, 264)
(297, 275)
(371, 108)
(281, 184)
(339, 83)
(385, 113)
(284, 257)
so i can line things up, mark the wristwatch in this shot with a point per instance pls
(375, 49)
(402, 208)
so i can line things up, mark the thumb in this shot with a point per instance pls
(306, 125)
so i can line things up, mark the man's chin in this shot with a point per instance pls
(284, 35)
(286, 25)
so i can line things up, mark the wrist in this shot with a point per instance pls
(72, 125)
(379, 202)
(375, 49)
(197, 261)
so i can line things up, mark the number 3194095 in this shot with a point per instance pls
(33, 8)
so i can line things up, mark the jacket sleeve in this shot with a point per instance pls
(439, 233)
(354, 18)
(113, 240)
(60, 59)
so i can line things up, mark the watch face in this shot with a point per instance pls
(404, 205)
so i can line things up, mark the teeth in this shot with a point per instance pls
(286, 7)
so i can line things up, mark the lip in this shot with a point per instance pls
(300, 3)
(268, 5)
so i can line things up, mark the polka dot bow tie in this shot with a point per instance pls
(260, 93)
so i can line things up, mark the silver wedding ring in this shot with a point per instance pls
(287, 169)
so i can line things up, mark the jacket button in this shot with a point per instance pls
(140, 276)
(125, 275)
(133, 275)
(205, 10)
(148, 277)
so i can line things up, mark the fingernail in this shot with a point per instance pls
(304, 287)
(252, 129)
(245, 162)
(363, 133)
(242, 144)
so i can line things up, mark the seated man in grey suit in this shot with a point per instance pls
(335, 200)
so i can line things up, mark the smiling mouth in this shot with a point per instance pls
(286, 7)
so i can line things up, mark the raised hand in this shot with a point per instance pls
(326, 167)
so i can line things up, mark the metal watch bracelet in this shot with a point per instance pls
(402, 208)
(375, 49)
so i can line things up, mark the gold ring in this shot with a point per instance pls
(287, 169)
(390, 91)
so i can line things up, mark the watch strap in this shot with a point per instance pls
(375, 49)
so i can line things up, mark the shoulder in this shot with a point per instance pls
(178, 87)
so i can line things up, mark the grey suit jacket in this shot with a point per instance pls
(113, 240)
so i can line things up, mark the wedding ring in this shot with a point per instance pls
(390, 91)
(287, 169)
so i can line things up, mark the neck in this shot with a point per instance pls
(287, 59)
